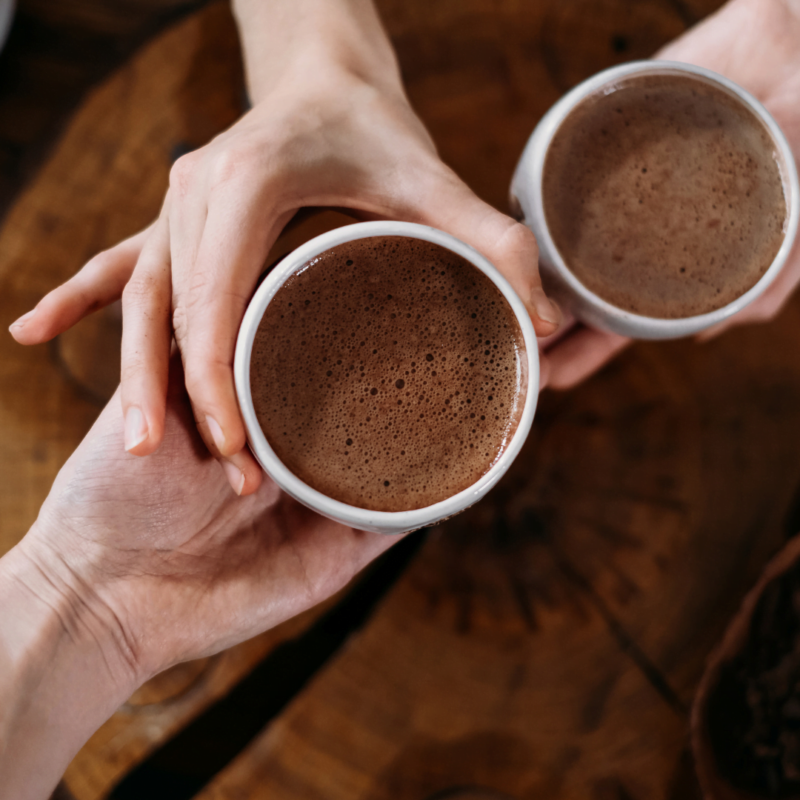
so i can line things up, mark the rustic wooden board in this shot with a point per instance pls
(545, 644)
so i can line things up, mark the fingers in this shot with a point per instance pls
(450, 205)
(220, 235)
(146, 338)
(187, 209)
(99, 283)
(236, 239)
(242, 471)
(568, 324)
(580, 354)
(205, 307)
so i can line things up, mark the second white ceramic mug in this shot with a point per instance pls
(527, 201)
(362, 518)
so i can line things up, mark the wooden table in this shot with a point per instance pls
(546, 643)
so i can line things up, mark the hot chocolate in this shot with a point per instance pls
(664, 196)
(389, 373)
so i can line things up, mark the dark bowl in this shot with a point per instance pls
(721, 707)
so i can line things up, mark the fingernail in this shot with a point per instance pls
(234, 475)
(22, 320)
(216, 433)
(135, 428)
(545, 308)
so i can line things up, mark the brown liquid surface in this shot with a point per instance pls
(664, 197)
(389, 374)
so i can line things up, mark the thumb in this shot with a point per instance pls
(453, 207)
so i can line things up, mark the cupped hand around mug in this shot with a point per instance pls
(330, 126)
(755, 43)
(134, 565)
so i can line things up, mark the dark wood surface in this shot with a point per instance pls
(55, 52)
(545, 644)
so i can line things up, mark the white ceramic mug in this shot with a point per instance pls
(364, 519)
(585, 305)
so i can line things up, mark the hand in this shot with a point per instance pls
(134, 565)
(169, 557)
(755, 43)
(331, 126)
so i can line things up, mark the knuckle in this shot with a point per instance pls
(231, 163)
(180, 323)
(196, 379)
(517, 241)
(181, 174)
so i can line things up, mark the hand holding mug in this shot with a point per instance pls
(134, 565)
(330, 126)
(757, 45)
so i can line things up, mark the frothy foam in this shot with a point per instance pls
(389, 373)
(664, 196)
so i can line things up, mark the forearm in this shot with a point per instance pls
(60, 678)
(303, 38)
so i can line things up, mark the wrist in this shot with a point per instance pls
(300, 42)
(61, 674)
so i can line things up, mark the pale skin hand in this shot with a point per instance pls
(134, 565)
(330, 126)
(755, 43)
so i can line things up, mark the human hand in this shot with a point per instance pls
(168, 556)
(331, 126)
(134, 565)
(755, 43)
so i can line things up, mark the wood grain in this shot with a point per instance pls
(547, 643)
(54, 54)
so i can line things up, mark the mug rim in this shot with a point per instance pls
(616, 318)
(366, 519)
